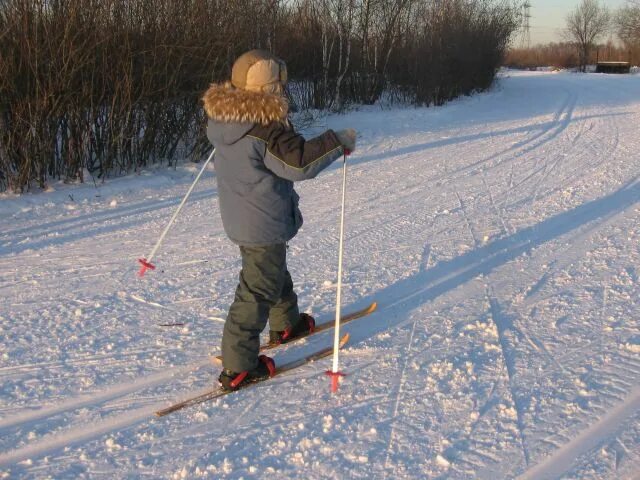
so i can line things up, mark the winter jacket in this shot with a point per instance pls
(258, 157)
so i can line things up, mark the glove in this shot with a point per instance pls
(347, 138)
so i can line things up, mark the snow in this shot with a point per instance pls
(499, 235)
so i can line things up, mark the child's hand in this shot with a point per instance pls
(347, 138)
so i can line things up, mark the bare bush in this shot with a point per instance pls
(107, 85)
(560, 55)
(463, 45)
(110, 86)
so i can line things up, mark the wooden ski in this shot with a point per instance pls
(319, 328)
(219, 392)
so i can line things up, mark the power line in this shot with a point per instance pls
(526, 24)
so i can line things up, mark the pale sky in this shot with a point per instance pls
(548, 17)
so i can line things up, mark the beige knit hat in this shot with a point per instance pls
(259, 71)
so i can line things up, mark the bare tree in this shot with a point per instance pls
(628, 24)
(588, 22)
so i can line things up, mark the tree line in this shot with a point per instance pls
(566, 55)
(106, 87)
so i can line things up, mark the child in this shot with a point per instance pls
(258, 157)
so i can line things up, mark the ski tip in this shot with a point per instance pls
(373, 306)
(344, 340)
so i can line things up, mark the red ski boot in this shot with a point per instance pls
(305, 326)
(232, 380)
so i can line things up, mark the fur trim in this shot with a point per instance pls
(227, 104)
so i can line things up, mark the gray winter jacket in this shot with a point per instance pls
(258, 157)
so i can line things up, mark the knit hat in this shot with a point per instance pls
(259, 71)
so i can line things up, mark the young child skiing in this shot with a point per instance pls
(258, 157)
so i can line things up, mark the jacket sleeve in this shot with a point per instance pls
(290, 156)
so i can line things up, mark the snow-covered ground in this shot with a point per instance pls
(500, 235)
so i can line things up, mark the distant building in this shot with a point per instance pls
(613, 67)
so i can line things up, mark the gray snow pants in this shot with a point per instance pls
(265, 292)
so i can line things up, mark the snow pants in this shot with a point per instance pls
(265, 292)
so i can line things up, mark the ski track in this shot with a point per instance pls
(108, 393)
(502, 245)
(560, 461)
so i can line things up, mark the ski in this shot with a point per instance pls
(219, 392)
(319, 328)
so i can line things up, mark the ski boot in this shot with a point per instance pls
(233, 381)
(305, 326)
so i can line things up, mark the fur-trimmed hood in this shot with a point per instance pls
(226, 104)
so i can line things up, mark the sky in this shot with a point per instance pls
(548, 17)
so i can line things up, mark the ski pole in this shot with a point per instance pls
(146, 261)
(335, 372)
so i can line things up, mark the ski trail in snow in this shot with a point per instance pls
(164, 307)
(77, 435)
(150, 302)
(503, 325)
(399, 397)
(109, 393)
(559, 462)
(463, 209)
(83, 221)
(510, 154)
(507, 230)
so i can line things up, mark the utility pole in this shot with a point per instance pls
(526, 24)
